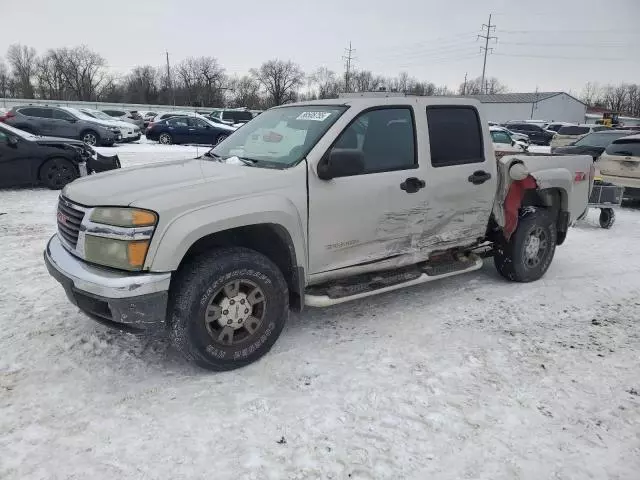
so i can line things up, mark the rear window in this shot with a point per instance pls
(237, 116)
(624, 148)
(573, 130)
(447, 126)
(178, 122)
(114, 113)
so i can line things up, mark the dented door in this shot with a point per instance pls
(376, 215)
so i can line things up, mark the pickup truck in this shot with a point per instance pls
(308, 204)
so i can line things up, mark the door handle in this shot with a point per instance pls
(412, 185)
(479, 177)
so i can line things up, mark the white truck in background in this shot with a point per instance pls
(308, 204)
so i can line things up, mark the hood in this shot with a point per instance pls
(57, 141)
(155, 183)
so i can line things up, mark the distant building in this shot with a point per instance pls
(550, 106)
(501, 107)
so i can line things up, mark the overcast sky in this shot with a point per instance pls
(548, 44)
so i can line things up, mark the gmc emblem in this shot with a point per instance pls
(62, 219)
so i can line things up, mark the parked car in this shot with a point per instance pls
(27, 159)
(620, 165)
(555, 126)
(591, 144)
(232, 115)
(536, 133)
(175, 113)
(570, 133)
(503, 142)
(187, 130)
(132, 117)
(518, 137)
(129, 132)
(63, 122)
(148, 118)
(309, 204)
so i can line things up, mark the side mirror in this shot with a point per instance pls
(341, 163)
(513, 143)
(71, 120)
(12, 141)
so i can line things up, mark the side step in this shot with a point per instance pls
(366, 285)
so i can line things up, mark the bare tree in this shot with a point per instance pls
(142, 85)
(615, 97)
(366, 81)
(475, 87)
(51, 84)
(83, 71)
(280, 79)
(590, 94)
(5, 80)
(245, 92)
(326, 82)
(200, 81)
(23, 64)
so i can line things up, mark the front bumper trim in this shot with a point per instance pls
(103, 282)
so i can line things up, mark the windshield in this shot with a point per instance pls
(280, 136)
(599, 139)
(78, 113)
(99, 114)
(16, 131)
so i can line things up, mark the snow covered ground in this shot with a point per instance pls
(471, 377)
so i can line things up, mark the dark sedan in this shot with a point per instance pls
(536, 134)
(27, 159)
(592, 144)
(185, 129)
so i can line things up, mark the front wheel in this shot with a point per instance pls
(91, 138)
(221, 138)
(526, 256)
(57, 172)
(227, 308)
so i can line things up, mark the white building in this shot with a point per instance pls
(550, 106)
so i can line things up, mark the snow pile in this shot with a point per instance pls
(470, 377)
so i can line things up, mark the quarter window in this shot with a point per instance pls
(624, 148)
(386, 138)
(455, 136)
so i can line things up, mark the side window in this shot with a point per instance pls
(196, 122)
(177, 122)
(500, 137)
(61, 115)
(36, 112)
(455, 136)
(386, 138)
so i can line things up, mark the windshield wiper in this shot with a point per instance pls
(246, 160)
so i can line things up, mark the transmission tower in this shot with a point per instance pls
(487, 29)
(348, 58)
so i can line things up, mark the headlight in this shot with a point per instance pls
(119, 237)
(124, 217)
(114, 129)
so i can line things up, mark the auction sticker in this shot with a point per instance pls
(316, 116)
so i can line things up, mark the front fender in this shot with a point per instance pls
(169, 247)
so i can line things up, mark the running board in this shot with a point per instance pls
(475, 263)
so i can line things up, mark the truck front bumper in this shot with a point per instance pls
(132, 302)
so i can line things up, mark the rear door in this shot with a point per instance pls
(16, 161)
(462, 180)
(38, 119)
(178, 127)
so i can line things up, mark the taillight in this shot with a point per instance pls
(7, 116)
(150, 125)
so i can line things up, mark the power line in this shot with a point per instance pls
(486, 37)
(348, 58)
(558, 57)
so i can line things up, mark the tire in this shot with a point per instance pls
(522, 259)
(165, 139)
(55, 173)
(203, 326)
(221, 138)
(90, 137)
(607, 217)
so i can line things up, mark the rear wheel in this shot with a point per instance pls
(57, 172)
(165, 139)
(526, 256)
(227, 308)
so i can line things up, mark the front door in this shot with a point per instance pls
(200, 131)
(15, 164)
(178, 127)
(376, 215)
(62, 124)
(461, 181)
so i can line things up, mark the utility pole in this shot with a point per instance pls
(348, 57)
(534, 104)
(173, 97)
(487, 36)
(464, 88)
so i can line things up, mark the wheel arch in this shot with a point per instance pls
(556, 200)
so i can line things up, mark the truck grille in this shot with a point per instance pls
(69, 220)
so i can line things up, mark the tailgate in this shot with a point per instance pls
(619, 166)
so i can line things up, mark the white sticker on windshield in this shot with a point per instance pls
(316, 116)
